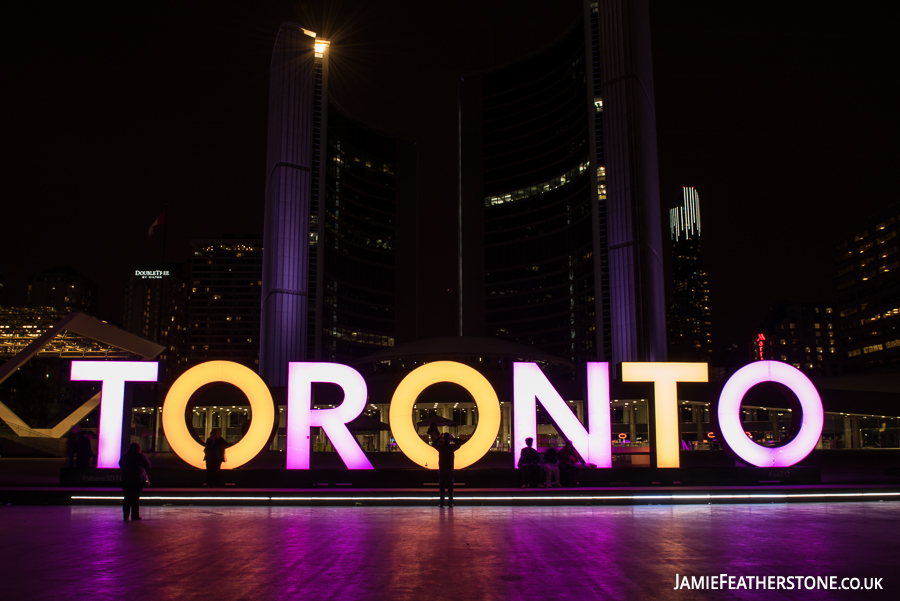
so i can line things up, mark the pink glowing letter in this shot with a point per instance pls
(530, 385)
(301, 416)
(729, 414)
(113, 374)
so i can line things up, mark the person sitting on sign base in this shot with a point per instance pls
(550, 465)
(568, 459)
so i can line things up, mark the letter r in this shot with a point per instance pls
(301, 416)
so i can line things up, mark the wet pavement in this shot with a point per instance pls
(427, 553)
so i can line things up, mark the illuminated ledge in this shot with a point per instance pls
(654, 499)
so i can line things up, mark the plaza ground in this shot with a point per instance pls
(427, 553)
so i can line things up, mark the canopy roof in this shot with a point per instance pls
(465, 349)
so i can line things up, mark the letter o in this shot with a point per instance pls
(229, 372)
(408, 392)
(729, 414)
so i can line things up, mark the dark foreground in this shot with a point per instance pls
(425, 553)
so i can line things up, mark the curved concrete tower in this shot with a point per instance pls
(296, 93)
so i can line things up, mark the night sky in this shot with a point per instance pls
(781, 117)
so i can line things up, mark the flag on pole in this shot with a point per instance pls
(161, 220)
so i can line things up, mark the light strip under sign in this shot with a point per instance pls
(512, 498)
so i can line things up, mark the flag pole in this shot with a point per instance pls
(162, 300)
(165, 233)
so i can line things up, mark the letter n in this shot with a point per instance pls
(531, 385)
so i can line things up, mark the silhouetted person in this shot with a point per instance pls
(70, 445)
(446, 449)
(529, 461)
(550, 464)
(214, 456)
(134, 477)
(568, 458)
(434, 434)
(83, 451)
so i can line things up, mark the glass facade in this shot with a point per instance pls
(224, 309)
(540, 284)
(867, 264)
(358, 240)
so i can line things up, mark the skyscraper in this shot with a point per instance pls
(559, 200)
(688, 320)
(223, 313)
(156, 309)
(62, 288)
(867, 262)
(801, 334)
(337, 193)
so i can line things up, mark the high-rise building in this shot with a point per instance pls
(223, 310)
(559, 200)
(801, 334)
(868, 288)
(63, 288)
(337, 193)
(688, 317)
(156, 309)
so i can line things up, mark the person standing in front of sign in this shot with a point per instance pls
(134, 477)
(529, 462)
(446, 449)
(214, 456)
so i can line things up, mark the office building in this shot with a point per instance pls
(867, 263)
(64, 289)
(802, 334)
(690, 337)
(223, 312)
(559, 201)
(337, 194)
(156, 302)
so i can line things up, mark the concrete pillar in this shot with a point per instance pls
(848, 432)
(631, 417)
(208, 426)
(697, 413)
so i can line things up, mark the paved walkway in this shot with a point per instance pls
(431, 554)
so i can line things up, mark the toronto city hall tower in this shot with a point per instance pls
(560, 233)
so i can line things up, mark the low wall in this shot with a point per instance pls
(421, 478)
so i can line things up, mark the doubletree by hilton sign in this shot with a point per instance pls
(151, 275)
(529, 386)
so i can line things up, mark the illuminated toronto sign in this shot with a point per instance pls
(530, 386)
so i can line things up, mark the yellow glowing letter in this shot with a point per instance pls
(261, 405)
(411, 387)
(665, 377)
